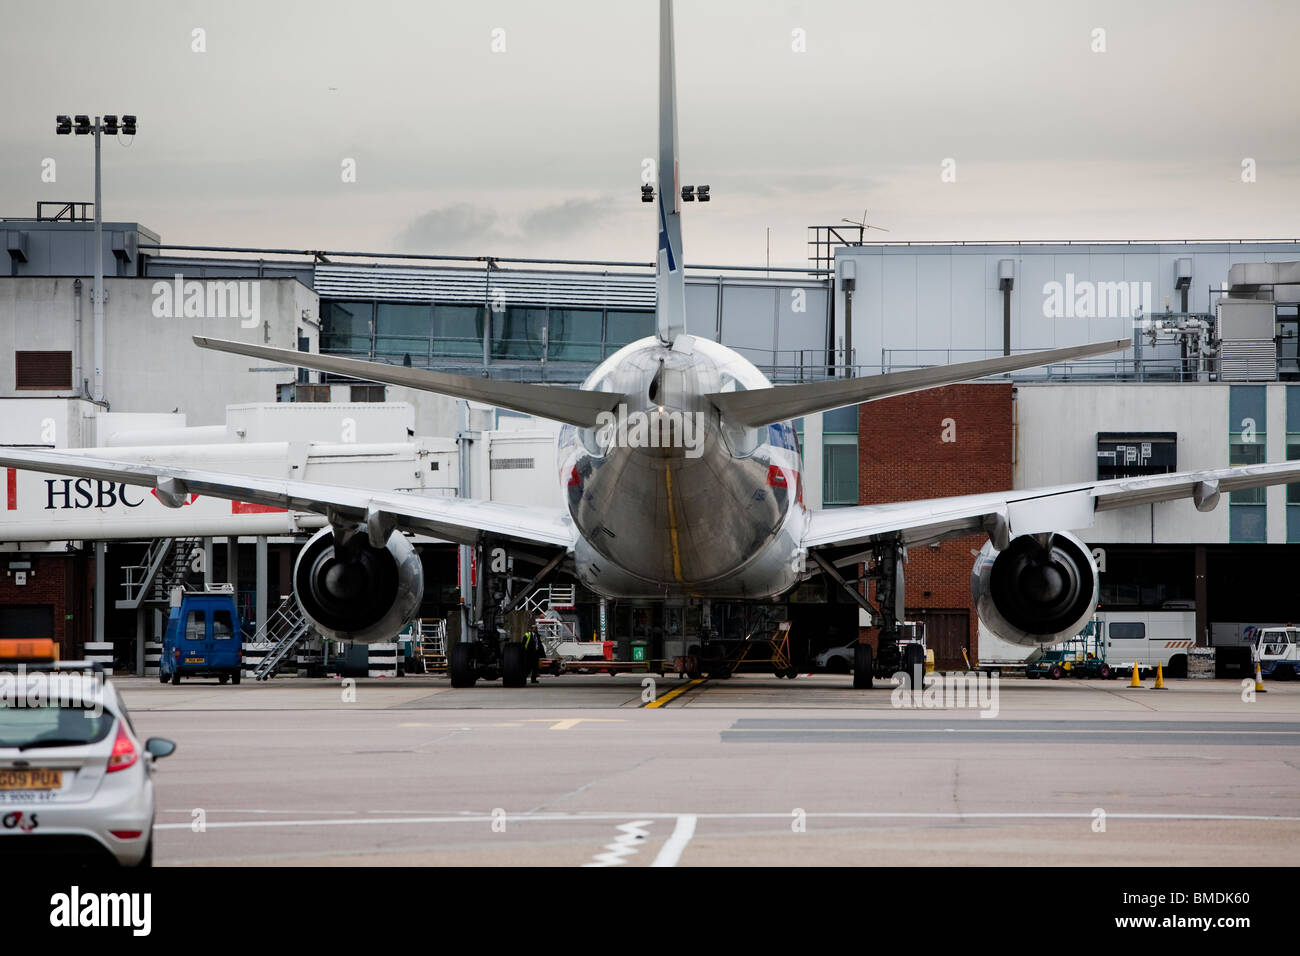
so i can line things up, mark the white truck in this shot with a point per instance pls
(1145, 638)
(1279, 652)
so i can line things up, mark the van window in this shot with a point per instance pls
(1127, 630)
(222, 627)
(195, 626)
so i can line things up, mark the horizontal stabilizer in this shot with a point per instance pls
(569, 405)
(763, 406)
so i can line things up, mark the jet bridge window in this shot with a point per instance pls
(1134, 454)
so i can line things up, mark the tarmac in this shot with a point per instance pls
(608, 771)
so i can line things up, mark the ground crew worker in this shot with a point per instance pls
(533, 646)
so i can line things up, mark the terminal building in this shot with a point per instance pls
(1211, 380)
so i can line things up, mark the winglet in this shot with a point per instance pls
(670, 282)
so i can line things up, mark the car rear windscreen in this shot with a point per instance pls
(52, 726)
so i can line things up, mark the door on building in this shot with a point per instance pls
(947, 633)
(27, 620)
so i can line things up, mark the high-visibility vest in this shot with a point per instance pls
(528, 638)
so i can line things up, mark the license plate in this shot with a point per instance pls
(31, 779)
(194, 660)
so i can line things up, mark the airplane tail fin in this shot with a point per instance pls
(670, 282)
(569, 405)
(764, 406)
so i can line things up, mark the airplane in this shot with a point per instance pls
(681, 478)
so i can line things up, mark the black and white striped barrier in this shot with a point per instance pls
(152, 658)
(100, 652)
(253, 656)
(383, 660)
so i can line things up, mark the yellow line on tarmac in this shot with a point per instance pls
(672, 524)
(675, 692)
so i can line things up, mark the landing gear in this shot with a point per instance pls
(461, 666)
(863, 667)
(514, 665)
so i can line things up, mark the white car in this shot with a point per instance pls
(75, 778)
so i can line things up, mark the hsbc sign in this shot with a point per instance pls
(80, 493)
(41, 507)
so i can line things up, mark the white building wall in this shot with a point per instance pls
(1056, 443)
(913, 304)
(150, 362)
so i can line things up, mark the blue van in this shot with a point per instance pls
(203, 638)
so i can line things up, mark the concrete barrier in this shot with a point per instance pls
(253, 656)
(100, 652)
(383, 660)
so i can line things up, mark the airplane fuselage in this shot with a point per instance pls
(671, 500)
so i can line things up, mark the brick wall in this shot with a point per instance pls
(48, 583)
(902, 456)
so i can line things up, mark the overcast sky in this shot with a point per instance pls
(537, 150)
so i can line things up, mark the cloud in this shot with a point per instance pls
(567, 218)
(468, 227)
(452, 228)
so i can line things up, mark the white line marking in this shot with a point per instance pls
(682, 833)
(598, 817)
(626, 844)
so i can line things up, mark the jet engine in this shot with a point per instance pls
(1039, 590)
(366, 594)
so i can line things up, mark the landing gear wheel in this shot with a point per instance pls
(461, 667)
(863, 667)
(914, 665)
(234, 677)
(514, 665)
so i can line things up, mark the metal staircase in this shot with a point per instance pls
(284, 629)
(165, 566)
(546, 606)
(430, 634)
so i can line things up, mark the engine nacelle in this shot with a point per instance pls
(1033, 595)
(369, 594)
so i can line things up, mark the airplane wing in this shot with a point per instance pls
(453, 519)
(569, 405)
(1005, 515)
(764, 406)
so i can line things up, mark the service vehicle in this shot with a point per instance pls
(76, 779)
(1149, 638)
(1279, 652)
(203, 637)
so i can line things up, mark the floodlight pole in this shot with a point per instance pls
(97, 300)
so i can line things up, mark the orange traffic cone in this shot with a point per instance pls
(1136, 681)
(1259, 680)
(1160, 678)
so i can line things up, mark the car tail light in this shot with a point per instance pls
(124, 753)
(127, 834)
